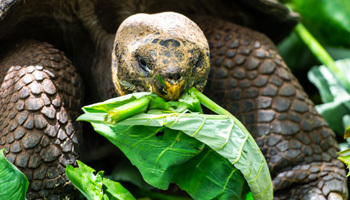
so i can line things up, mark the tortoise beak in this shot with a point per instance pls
(169, 89)
(174, 90)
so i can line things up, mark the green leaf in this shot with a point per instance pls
(161, 145)
(115, 190)
(161, 81)
(221, 134)
(192, 101)
(213, 177)
(95, 187)
(333, 113)
(113, 103)
(338, 53)
(335, 97)
(13, 182)
(85, 181)
(162, 155)
(124, 172)
(249, 196)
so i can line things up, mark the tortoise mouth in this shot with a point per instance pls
(170, 90)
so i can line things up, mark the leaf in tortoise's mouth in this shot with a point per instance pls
(190, 140)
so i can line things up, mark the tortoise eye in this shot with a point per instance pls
(197, 65)
(198, 62)
(143, 64)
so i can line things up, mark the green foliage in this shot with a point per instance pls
(327, 20)
(344, 156)
(124, 172)
(167, 146)
(13, 183)
(299, 58)
(295, 53)
(322, 55)
(336, 99)
(347, 132)
(95, 187)
(329, 23)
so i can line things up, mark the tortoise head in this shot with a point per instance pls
(164, 53)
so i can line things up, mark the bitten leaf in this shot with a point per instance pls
(172, 144)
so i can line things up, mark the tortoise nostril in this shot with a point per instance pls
(173, 73)
(174, 77)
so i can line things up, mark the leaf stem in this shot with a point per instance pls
(217, 109)
(161, 81)
(127, 110)
(208, 102)
(321, 54)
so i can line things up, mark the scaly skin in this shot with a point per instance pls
(249, 78)
(40, 96)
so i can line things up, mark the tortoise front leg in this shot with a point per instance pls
(249, 78)
(40, 100)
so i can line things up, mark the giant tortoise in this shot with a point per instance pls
(55, 56)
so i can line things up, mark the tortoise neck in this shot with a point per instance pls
(100, 78)
(85, 11)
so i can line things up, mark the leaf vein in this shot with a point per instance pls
(228, 136)
(199, 128)
(145, 138)
(240, 150)
(166, 149)
(257, 175)
(228, 179)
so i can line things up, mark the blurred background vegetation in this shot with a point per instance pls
(318, 53)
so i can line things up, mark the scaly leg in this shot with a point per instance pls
(249, 78)
(40, 100)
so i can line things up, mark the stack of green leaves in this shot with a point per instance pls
(208, 156)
